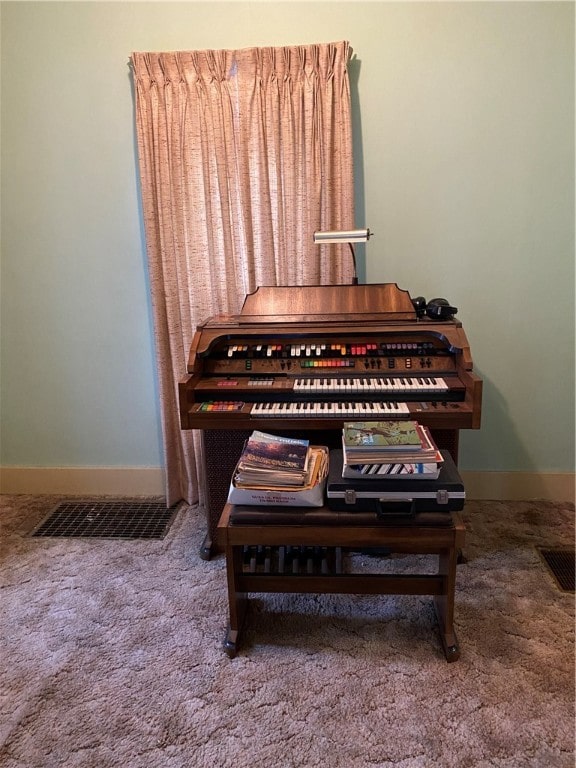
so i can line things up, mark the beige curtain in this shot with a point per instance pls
(243, 155)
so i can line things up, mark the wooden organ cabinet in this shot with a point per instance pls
(302, 360)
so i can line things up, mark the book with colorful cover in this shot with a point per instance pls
(317, 469)
(426, 452)
(381, 435)
(273, 459)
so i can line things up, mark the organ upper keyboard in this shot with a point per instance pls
(304, 359)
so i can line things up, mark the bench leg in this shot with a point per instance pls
(237, 601)
(444, 603)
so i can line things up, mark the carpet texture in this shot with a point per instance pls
(111, 655)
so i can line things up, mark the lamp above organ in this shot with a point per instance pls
(349, 236)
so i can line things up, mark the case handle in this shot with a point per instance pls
(389, 508)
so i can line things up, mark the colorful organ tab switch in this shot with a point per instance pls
(302, 350)
(220, 405)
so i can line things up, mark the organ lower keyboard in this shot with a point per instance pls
(328, 409)
(304, 359)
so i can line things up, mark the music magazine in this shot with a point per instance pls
(273, 460)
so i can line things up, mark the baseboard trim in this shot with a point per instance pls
(149, 481)
(83, 481)
(519, 486)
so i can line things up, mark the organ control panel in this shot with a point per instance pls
(302, 360)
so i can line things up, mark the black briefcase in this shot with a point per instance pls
(392, 499)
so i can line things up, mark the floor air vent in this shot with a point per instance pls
(560, 563)
(120, 519)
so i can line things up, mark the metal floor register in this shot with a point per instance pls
(118, 519)
(560, 563)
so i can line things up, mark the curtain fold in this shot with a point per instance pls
(243, 154)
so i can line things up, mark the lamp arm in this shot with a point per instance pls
(355, 276)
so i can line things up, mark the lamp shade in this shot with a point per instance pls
(348, 236)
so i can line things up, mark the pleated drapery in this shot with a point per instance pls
(243, 154)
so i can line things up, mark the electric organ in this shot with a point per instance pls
(302, 360)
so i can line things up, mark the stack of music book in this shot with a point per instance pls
(389, 449)
(279, 470)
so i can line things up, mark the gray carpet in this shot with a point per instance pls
(111, 656)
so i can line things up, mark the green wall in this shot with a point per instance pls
(464, 154)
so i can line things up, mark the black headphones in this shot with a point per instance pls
(436, 309)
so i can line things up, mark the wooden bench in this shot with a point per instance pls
(306, 556)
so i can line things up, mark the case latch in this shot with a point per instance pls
(442, 496)
(350, 496)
